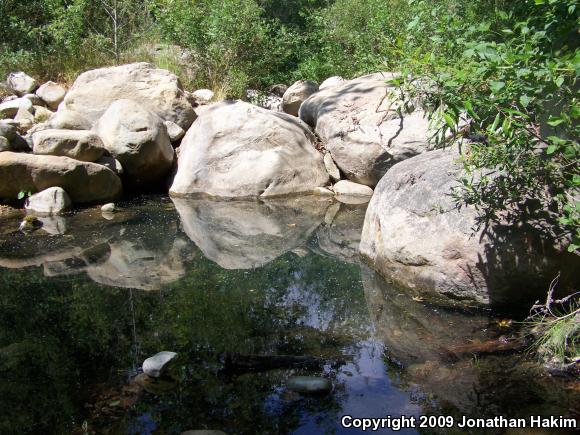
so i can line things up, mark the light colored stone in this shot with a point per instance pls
(137, 138)
(174, 131)
(66, 119)
(21, 83)
(9, 131)
(34, 99)
(9, 109)
(309, 385)
(41, 114)
(153, 89)
(203, 96)
(4, 144)
(414, 235)
(278, 90)
(236, 149)
(363, 129)
(297, 94)
(158, 364)
(331, 82)
(109, 208)
(84, 182)
(348, 188)
(52, 94)
(51, 201)
(323, 191)
(331, 167)
(77, 144)
(54, 224)
(25, 119)
(265, 100)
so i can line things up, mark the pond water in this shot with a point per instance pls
(85, 299)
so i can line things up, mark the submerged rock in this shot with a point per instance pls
(51, 201)
(236, 149)
(362, 128)
(29, 224)
(157, 365)
(309, 385)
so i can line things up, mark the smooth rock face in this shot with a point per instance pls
(156, 365)
(154, 89)
(297, 94)
(84, 182)
(203, 96)
(248, 234)
(25, 119)
(108, 208)
(10, 108)
(52, 94)
(76, 144)
(236, 149)
(348, 188)
(69, 120)
(51, 201)
(139, 140)
(278, 89)
(21, 83)
(414, 235)
(331, 82)
(111, 163)
(309, 385)
(331, 167)
(363, 130)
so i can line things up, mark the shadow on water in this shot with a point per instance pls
(275, 277)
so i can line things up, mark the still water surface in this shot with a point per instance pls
(85, 299)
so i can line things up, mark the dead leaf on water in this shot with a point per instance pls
(418, 299)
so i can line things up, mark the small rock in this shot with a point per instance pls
(109, 208)
(309, 385)
(203, 96)
(52, 94)
(278, 90)
(348, 188)
(9, 109)
(25, 119)
(51, 201)
(29, 224)
(297, 94)
(331, 167)
(156, 365)
(42, 114)
(175, 132)
(34, 99)
(323, 191)
(21, 83)
(331, 82)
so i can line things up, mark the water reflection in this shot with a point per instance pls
(254, 278)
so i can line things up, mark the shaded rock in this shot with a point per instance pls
(309, 385)
(34, 99)
(51, 201)
(9, 131)
(203, 96)
(54, 225)
(331, 167)
(156, 90)
(52, 94)
(25, 119)
(174, 131)
(363, 129)
(236, 149)
(41, 114)
(21, 83)
(9, 109)
(265, 100)
(415, 235)
(29, 224)
(158, 364)
(296, 94)
(77, 144)
(66, 119)
(249, 234)
(138, 139)
(278, 90)
(111, 163)
(84, 182)
(4, 144)
(155, 386)
(331, 82)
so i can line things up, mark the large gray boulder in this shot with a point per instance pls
(363, 129)
(236, 149)
(154, 89)
(52, 94)
(84, 182)
(77, 144)
(51, 201)
(414, 235)
(138, 139)
(296, 94)
(21, 83)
